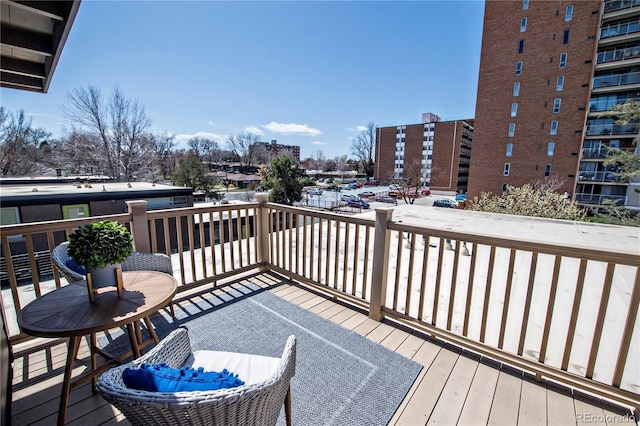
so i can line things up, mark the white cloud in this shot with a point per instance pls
(183, 139)
(356, 129)
(361, 128)
(319, 143)
(255, 130)
(292, 129)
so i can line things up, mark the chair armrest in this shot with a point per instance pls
(139, 261)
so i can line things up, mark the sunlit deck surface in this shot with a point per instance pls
(454, 387)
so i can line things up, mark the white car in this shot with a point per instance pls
(394, 187)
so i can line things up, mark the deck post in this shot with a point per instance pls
(381, 241)
(139, 225)
(263, 231)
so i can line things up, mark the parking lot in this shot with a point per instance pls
(332, 198)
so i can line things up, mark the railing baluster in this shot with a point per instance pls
(313, 256)
(365, 273)
(552, 301)
(423, 278)
(223, 256)
(602, 311)
(192, 255)
(232, 258)
(212, 247)
(203, 254)
(396, 281)
(28, 240)
(454, 280)
(336, 255)
(467, 309)
(412, 250)
(527, 302)
(304, 247)
(577, 300)
(436, 296)
(345, 260)
(13, 283)
(239, 233)
(507, 298)
(629, 326)
(356, 247)
(180, 247)
(487, 293)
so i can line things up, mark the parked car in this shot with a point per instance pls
(461, 197)
(394, 187)
(366, 194)
(332, 187)
(445, 202)
(354, 202)
(386, 199)
(348, 197)
(425, 191)
(314, 191)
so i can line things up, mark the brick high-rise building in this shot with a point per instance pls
(548, 70)
(438, 150)
(274, 149)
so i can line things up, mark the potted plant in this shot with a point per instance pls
(100, 247)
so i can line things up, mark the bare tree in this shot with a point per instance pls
(410, 182)
(164, 145)
(362, 148)
(23, 148)
(240, 146)
(118, 126)
(319, 157)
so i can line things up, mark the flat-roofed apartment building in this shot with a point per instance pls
(548, 72)
(441, 150)
(273, 149)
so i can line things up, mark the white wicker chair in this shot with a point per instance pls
(138, 261)
(254, 403)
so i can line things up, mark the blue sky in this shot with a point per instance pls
(301, 72)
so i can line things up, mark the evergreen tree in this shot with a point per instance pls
(282, 178)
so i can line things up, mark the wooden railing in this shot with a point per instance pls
(562, 312)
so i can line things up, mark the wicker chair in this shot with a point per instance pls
(138, 261)
(257, 402)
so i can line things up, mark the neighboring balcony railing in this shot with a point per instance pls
(620, 29)
(568, 313)
(612, 6)
(612, 129)
(601, 176)
(601, 152)
(618, 54)
(616, 80)
(598, 199)
(606, 105)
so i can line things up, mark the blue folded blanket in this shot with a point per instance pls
(162, 378)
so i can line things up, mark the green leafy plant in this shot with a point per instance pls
(98, 244)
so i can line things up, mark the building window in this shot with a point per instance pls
(554, 128)
(518, 67)
(565, 37)
(551, 146)
(10, 216)
(507, 169)
(512, 129)
(568, 13)
(556, 105)
(525, 4)
(509, 149)
(523, 24)
(521, 46)
(563, 60)
(514, 109)
(560, 83)
(547, 170)
(516, 89)
(504, 187)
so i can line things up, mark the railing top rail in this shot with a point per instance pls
(59, 224)
(322, 214)
(557, 249)
(182, 211)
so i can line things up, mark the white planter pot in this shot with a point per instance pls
(103, 277)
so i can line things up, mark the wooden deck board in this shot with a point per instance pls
(452, 388)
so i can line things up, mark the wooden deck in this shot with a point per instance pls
(454, 387)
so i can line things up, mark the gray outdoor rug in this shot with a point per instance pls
(341, 377)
